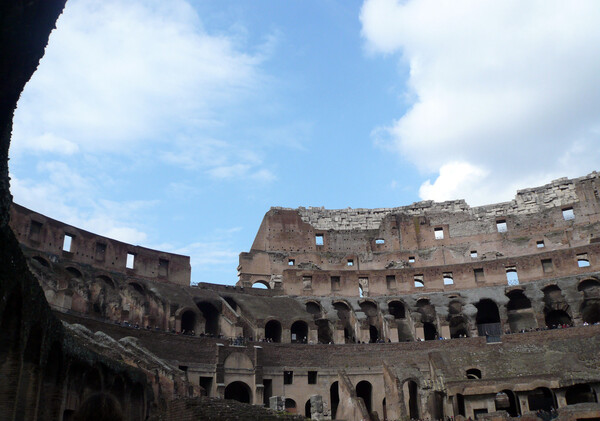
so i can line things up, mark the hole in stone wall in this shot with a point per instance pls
(411, 259)
(67, 243)
(312, 377)
(438, 233)
(163, 267)
(501, 225)
(479, 275)
(35, 230)
(100, 253)
(130, 261)
(319, 239)
(474, 373)
(547, 265)
(350, 262)
(291, 262)
(390, 281)
(419, 281)
(473, 253)
(512, 278)
(568, 214)
(583, 260)
(448, 280)
(288, 377)
(540, 244)
(379, 241)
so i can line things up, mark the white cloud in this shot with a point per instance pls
(505, 94)
(119, 74)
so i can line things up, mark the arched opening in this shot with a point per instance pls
(307, 410)
(231, 303)
(474, 374)
(334, 398)
(211, 317)
(238, 391)
(273, 331)
(137, 287)
(364, 390)
(580, 393)
(188, 321)
(41, 261)
(290, 406)
(373, 334)
(519, 312)
(588, 284)
(506, 400)
(313, 308)
(430, 331)
(541, 398)
(488, 318)
(590, 311)
(410, 390)
(299, 331)
(459, 327)
(396, 309)
(344, 313)
(99, 406)
(556, 318)
(261, 285)
(324, 331)
(75, 273)
(103, 279)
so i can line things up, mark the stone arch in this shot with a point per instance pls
(307, 409)
(459, 327)
(299, 331)
(555, 318)
(588, 284)
(99, 406)
(411, 398)
(138, 287)
(74, 272)
(488, 318)
(519, 311)
(371, 310)
(238, 360)
(430, 332)
(324, 332)
(473, 374)
(590, 307)
(507, 400)
(188, 321)
(261, 284)
(334, 398)
(541, 398)
(273, 330)
(238, 391)
(107, 280)
(211, 317)
(314, 308)
(41, 260)
(580, 393)
(344, 313)
(290, 406)
(364, 390)
(397, 309)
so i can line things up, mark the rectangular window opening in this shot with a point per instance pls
(501, 225)
(288, 377)
(540, 244)
(439, 233)
(473, 253)
(35, 230)
(312, 377)
(335, 283)
(419, 281)
(512, 277)
(67, 243)
(547, 265)
(411, 259)
(568, 214)
(582, 260)
(319, 239)
(479, 275)
(350, 262)
(448, 279)
(291, 262)
(307, 282)
(163, 267)
(206, 384)
(379, 241)
(130, 261)
(391, 281)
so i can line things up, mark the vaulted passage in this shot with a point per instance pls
(334, 398)
(188, 321)
(519, 311)
(541, 398)
(299, 331)
(273, 331)
(364, 390)
(488, 318)
(211, 317)
(430, 331)
(238, 391)
(324, 331)
(580, 393)
(557, 318)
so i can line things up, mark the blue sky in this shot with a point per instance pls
(176, 125)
